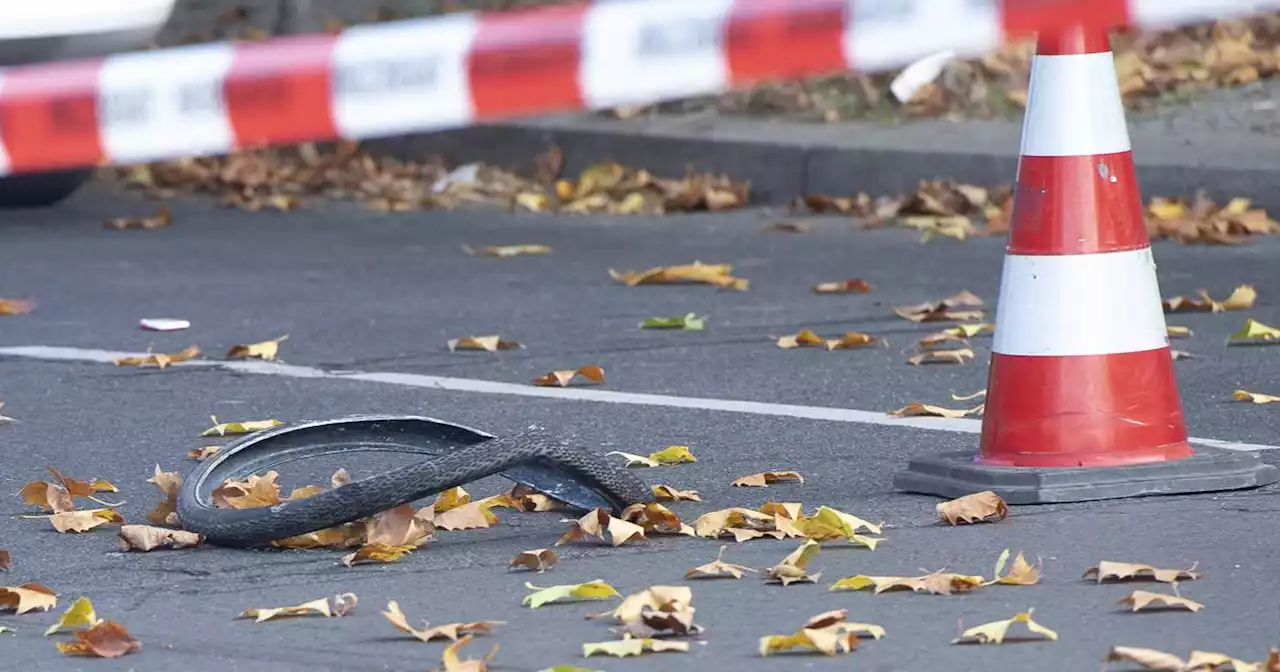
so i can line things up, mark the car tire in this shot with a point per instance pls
(41, 190)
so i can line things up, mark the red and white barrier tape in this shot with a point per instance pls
(446, 72)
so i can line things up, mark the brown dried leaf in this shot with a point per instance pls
(928, 410)
(1148, 659)
(958, 356)
(529, 500)
(450, 631)
(539, 559)
(1136, 571)
(942, 311)
(666, 493)
(1254, 397)
(790, 227)
(715, 523)
(562, 378)
(936, 583)
(1141, 599)
(399, 527)
(203, 453)
(106, 639)
(474, 515)
(452, 663)
(695, 273)
(83, 521)
(376, 552)
(853, 286)
(1021, 572)
(975, 508)
(5, 560)
(47, 496)
(264, 350)
(318, 607)
(159, 359)
(851, 340)
(655, 517)
(717, 568)
(257, 491)
(767, 478)
(667, 599)
(597, 523)
(16, 306)
(166, 512)
(804, 337)
(146, 538)
(795, 567)
(161, 219)
(486, 343)
(27, 597)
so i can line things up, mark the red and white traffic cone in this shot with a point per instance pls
(1082, 402)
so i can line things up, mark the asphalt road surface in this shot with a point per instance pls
(359, 292)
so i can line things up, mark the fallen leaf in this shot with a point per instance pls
(170, 483)
(5, 560)
(27, 597)
(632, 646)
(486, 343)
(48, 496)
(1149, 659)
(957, 335)
(828, 524)
(1255, 397)
(16, 306)
(996, 632)
(264, 350)
(1254, 332)
(767, 478)
(242, 427)
(450, 499)
(929, 410)
(539, 559)
(975, 508)
(256, 492)
(146, 538)
(1176, 355)
(343, 536)
(1241, 298)
(790, 227)
(451, 631)
(654, 517)
(79, 614)
(1021, 572)
(827, 633)
(1141, 599)
(562, 378)
(161, 219)
(474, 515)
(84, 520)
(342, 477)
(399, 527)
(452, 663)
(665, 599)
(1137, 571)
(957, 356)
(634, 460)
(376, 552)
(718, 567)
(714, 523)
(795, 567)
(203, 453)
(690, 322)
(591, 590)
(106, 639)
(529, 500)
(597, 523)
(852, 340)
(673, 455)
(666, 493)
(507, 250)
(1178, 332)
(695, 273)
(1207, 661)
(159, 359)
(319, 607)
(802, 338)
(853, 286)
(936, 583)
(942, 311)
(5, 418)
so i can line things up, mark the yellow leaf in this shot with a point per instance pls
(450, 499)
(632, 646)
(695, 273)
(827, 633)
(1178, 332)
(718, 567)
(767, 478)
(794, 567)
(532, 201)
(1206, 661)
(451, 631)
(995, 632)
(1163, 208)
(673, 455)
(452, 663)
(159, 360)
(1141, 599)
(474, 515)
(667, 599)
(713, 523)
(929, 410)
(937, 583)
(79, 614)
(633, 203)
(591, 590)
(486, 343)
(27, 597)
(666, 493)
(264, 350)
(539, 559)
(375, 552)
(1255, 397)
(802, 338)
(957, 356)
(16, 306)
(1021, 572)
(852, 340)
(146, 538)
(106, 639)
(828, 524)
(243, 427)
(597, 523)
(1124, 570)
(203, 453)
(1257, 332)
(1242, 298)
(84, 520)
(634, 460)
(562, 377)
(1149, 659)
(943, 311)
(318, 607)
(507, 250)
(974, 508)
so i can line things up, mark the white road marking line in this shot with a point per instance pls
(961, 425)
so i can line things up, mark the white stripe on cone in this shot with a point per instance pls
(1079, 304)
(1075, 107)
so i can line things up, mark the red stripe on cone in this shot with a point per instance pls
(773, 39)
(527, 62)
(1024, 19)
(1077, 205)
(280, 92)
(1083, 411)
(1073, 40)
(49, 116)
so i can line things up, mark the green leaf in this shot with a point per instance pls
(591, 590)
(690, 322)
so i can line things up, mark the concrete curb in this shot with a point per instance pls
(786, 159)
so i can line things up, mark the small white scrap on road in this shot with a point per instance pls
(164, 324)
